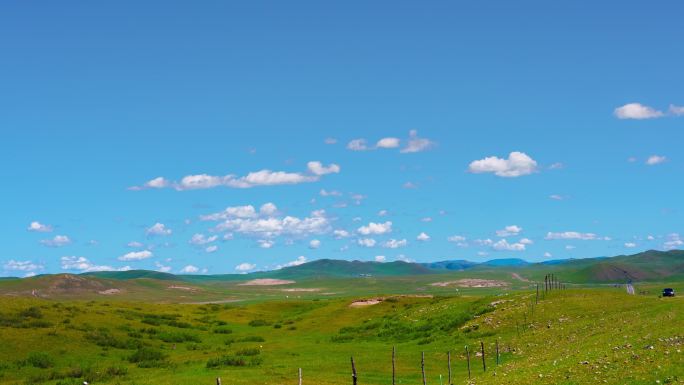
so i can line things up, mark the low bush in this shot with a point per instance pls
(40, 360)
(258, 322)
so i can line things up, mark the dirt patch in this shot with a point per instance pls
(110, 291)
(266, 282)
(183, 288)
(518, 277)
(301, 289)
(366, 302)
(471, 282)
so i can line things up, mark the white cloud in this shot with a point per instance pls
(330, 193)
(423, 237)
(409, 185)
(388, 143)
(380, 258)
(503, 245)
(268, 209)
(484, 242)
(318, 169)
(161, 268)
(84, 265)
(189, 269)
(674, 241)
(416, 144)
(357, 145)
(650, 237)
(136, 255)
(245, 267)
(548, 255)
(366, 242)
(376, 228)
(509, 231)
(676, 110)
(395, 243)
(158, 229)
(330, 141)
(637, 111)
(135, 244)
(526, 241)
(26, 266)
(576, 235)
(382, 213)
(265, 243)
(556, 197)
(517, 164)
(201, 239)
(299, 261)
(339, 234)
(426, 219)
(569, 247)
(39, 227)
(630, 245)
(159, 182)
(57, 241)
(314, 244)
(655, 159)
(456, 238)
(556, 166)
(211, 249)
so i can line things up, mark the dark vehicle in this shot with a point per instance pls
(669, 292)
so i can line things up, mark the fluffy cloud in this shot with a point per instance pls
(556, 197)
(161, 268)
(630, 245)
(189, 269)
(456, 238)
(423, 237)
(576, 235)
(158, 229)
(299, 261)
(136, 255)
(57, 241)
(339, 234)
(39, 227)
(637, 111)
(376, 228)
(517, 164)
(655, 159)
(395, 243)
(135, 244)
(201, 239)
(380, 258)
(366, 242)
(25, 266)
(503, 245)
(84, 265)
(388, 143)
(253, 179)
(265, 243)
(674, 241)
(314, 244)
(357, 145)
(318, 169)
(245, 267)
(526, 241)
(676, 110)
(211, 249)
(330, 141)
(330, 193)
(416, 144)
(548, 255)
(509, 231)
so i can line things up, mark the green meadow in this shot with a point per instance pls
(583, 335)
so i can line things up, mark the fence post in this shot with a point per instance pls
(449, 365)
(484, 364)
(537, 298)
(354, 378)
(497, 352)
(394, 355)
(300, 376)
(468, 359)
(422, 366)
(218, 381)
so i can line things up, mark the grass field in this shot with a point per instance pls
(577, 336)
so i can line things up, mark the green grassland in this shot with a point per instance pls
(585, 335)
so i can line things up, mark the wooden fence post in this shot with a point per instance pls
(449, 365)
(394, 355)
(422, 366)
(484, 364)
(300, 376)
(537, 298)
(354, 378)
(468, 360)
(218, 381)
(497, 353)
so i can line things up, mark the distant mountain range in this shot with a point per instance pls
(650, 265)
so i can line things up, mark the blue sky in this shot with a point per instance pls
(139, 135)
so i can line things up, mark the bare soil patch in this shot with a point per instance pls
(183, 288)
(110, 291)
(266, 282)
(301, 289)
(366, 302)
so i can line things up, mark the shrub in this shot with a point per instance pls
(248, 352)
(178, 337)
(32, 312)
(222, 330)
(146, 355)
(258, 322)
(226, 361)
(40, 360)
